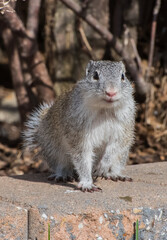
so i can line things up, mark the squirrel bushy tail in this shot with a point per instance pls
(32, 125)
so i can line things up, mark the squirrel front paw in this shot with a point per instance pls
(88, 187)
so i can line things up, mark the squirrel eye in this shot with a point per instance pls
(123, 77)
(96, 75)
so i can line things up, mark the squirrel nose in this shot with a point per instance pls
(111, 93)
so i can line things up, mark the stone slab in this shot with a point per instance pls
(149, 188)
(109, 214)
(13, 222)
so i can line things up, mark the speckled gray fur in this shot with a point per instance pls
(86, 130)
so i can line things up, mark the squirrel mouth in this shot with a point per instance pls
(110, 100)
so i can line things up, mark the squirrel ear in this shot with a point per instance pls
(90, 63)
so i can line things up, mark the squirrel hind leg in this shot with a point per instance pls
(58, 179)
(62, 174)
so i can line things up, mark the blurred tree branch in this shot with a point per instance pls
(33, 19)
(16, 72)
(28, 50)
(151, 53)
(141, 86)
(128, 38)
(152, 40)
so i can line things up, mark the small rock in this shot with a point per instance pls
(142, 225)
(105, 215)
(80, 226)
(101, 219)
(137, 210)
(44, 216)
(112, 211)
(99, 238)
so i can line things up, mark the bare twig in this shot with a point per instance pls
(152, 40)
(85, 41)
(138, 59)
(141, 86)
(85, 5)
(133, 44)
(84, 38)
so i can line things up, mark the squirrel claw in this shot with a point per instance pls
(115, 179)
(120, 178)
(102, 176)
(124, 178)
(129, 179)
(95, 178)
(91, 190)
(51, 177)
(97, 189)
(60, 179)
(70, 179)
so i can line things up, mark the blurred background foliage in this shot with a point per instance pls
(45, 46)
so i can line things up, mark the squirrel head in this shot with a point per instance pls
(106, 84)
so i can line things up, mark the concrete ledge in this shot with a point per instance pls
(29, 202)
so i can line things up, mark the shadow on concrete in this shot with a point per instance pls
(43, 177)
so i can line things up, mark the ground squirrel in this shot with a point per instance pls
(88, 131)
